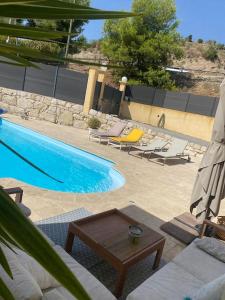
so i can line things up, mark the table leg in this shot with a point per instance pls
(69, 242)
(120, 282)
(158, 257)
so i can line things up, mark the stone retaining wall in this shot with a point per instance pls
(66, 113)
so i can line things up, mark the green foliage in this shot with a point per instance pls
(94, 123)
(211, 42)
(44, 10)
(15, 226)
(211, 53)
(63, 25)
(200, 41)
(220, 46)
(161, 79)
(78, 44)
(146, 45)
(44, 47)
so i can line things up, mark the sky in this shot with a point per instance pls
(201, 18)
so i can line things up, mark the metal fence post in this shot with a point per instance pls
(189, 96)
(24, 78)
(55, 81)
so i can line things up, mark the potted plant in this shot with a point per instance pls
(93, 124)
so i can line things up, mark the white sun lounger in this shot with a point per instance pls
(156, 145)
(115, 131)
(176, 150)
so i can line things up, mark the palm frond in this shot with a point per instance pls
(9, 2)
(32, 241)
(29, 32)
(19, 60)
(5, 292)
(7, 240)
(49, 9)
(4, 263)
(11, 63)
(13, 51)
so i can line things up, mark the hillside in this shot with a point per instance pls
(205, 75)
(203, 78)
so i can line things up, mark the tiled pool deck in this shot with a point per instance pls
(152, 194)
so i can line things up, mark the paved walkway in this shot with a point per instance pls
(158, 193)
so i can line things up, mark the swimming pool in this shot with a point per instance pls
(50, 164)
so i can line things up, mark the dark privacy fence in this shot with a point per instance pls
(110, 102)
(202, 105)
(49, 80)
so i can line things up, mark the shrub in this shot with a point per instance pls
(44, 47)
(211, 53)
(94, 123)
(220, 46)
(200, 41)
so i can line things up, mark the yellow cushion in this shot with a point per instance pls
(133, 137)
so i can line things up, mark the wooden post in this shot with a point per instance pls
(90, 91)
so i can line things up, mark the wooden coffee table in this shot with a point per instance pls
(107, 234)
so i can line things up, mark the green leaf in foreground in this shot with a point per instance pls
(5, 292)
(54, 10)
(31, 240)
(5, 239)
(6, 50)
(17, 59)
(4, 263)
(11, 63)
(28, 32)
(9, 2)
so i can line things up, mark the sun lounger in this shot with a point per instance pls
(115, 131)
(131, 139)
(176, 150)
(156, 145)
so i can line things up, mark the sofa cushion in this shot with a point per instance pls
(212, 246)
(40, 275)
(199, 263)
(53, 294)
(170, 282)
(22, 286)
(213, 290)
(25, 210)
(93, 287)
(59, 293)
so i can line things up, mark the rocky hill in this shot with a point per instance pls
(203, 76)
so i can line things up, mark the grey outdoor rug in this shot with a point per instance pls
(56, 229)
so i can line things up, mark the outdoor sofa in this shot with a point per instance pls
(18, 192)
(31, 281)
(194, 274)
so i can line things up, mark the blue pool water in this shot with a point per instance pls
(60, 167)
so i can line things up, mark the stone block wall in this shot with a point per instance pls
(70, 114)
